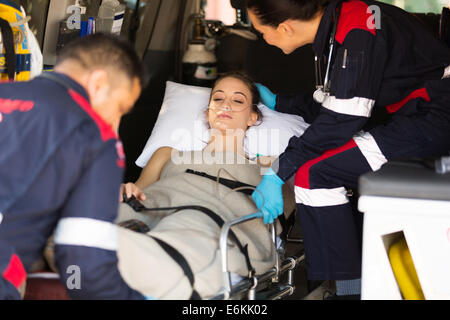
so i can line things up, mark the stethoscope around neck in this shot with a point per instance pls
(323, 88)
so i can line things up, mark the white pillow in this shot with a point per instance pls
(181, 124)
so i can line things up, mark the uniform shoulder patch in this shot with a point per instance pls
(354, 15)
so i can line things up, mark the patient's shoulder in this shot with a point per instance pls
(164, 151)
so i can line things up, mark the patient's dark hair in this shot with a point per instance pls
(105, 51)
(274, 12)
(247, 80)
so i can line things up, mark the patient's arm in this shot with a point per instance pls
(153, 169)
(149, 175)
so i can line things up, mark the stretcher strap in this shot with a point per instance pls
(182, 262)
(226, 182)
(138, 207)
(220, 222)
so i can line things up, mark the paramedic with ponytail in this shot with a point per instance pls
(385, 95)
(61, 166)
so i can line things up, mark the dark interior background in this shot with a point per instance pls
(264, 63)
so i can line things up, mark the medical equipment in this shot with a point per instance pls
(14, 44)
(269, 283)
(268, 286)
(235, 104)
(110, 17)
(323, 88)
(199, 63)
(56, 13)
(217, 108)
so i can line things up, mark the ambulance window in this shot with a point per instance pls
(420, 6)
(220, 10)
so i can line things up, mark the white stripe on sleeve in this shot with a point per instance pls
(357, 106)
(87, 232)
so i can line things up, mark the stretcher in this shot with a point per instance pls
(275, 284)
(205, 213)
(222, 272)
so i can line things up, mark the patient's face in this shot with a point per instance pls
(230, 108)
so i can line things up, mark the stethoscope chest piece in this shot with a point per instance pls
(323, 88)
(319, 96)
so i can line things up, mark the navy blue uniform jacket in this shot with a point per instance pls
(61, 167)
(387, 67)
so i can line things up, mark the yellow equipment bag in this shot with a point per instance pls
(15, 57)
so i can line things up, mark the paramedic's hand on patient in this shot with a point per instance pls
(270, 188)
(267, 96)
(130, 189)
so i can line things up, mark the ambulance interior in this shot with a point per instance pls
(175, 37)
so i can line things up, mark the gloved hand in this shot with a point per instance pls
(267, 97)
(270, 188)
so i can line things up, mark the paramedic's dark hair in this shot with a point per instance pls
(105, 50)
(250, 85)
(274, 12)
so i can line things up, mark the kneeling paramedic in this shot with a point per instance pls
(61, 167)
(385, 95)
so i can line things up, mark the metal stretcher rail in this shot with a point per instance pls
(250, 286)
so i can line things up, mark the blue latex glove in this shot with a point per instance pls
(267, 97)
(271, 188)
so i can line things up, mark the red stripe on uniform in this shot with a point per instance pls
(106, 131)
(419, 93)
(302, 175)
(354, 15)
(120, 163)
(15, 272)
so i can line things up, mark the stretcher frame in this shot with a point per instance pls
(266, 286)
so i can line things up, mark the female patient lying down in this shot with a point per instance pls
(172, 179)
(231, 111)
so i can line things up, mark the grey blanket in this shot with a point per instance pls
(146, 267)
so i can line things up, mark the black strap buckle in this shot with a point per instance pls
(134, 203)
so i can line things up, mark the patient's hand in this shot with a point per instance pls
(265, 161)
(130, 189)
